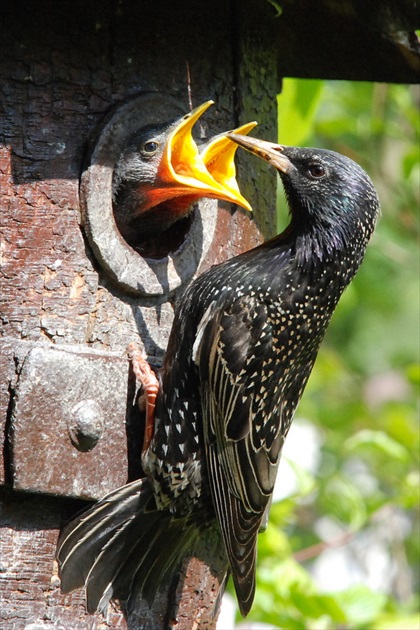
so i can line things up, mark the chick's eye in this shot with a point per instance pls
(150, 147)
(316, 171)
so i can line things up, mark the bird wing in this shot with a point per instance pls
(242, 422)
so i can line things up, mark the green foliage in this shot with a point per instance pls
(297, 106)
(362, 499)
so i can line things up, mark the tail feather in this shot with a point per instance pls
(122, 547)
(112, 571)
(160, 562)
(83, 539)
(85, 522)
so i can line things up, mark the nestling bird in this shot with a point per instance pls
(162, 172)
(244, 340)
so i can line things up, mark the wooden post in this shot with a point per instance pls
(67, 317)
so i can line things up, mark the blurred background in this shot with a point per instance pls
(341, 550)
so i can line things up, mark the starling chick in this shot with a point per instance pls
(244, 340)
(161, 172)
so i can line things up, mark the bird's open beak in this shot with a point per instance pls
(268, 151)
(218, 156)
(182, 167)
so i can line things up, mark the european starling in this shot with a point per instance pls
(161, 173)
(244, 340)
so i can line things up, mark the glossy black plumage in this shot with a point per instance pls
(243, 343)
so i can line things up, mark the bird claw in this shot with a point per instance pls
(148, 380)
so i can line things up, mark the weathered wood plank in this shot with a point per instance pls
(63, 67)
(29, 585)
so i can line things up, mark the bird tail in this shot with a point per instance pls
(121, 547)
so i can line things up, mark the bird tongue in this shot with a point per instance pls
(182, 167)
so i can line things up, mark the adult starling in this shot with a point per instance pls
(161, 173)
(244, 340)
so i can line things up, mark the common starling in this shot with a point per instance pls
(244, 340)
(161, 172)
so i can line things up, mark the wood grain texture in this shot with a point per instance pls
(63, 67)
(29, 584)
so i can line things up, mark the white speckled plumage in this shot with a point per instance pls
(243, 344)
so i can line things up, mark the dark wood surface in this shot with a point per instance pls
(66, 324)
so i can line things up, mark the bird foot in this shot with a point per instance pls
(146, 377)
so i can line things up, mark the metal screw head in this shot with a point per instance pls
(87, 425)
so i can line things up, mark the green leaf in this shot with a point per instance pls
(297, 106)
(413, 373)
(273, 543)
(314, 606)
(305, 480)
(344, 502)
(388, 622)
(379, 440)
(410, 492)
(360, 604)
(277, 6)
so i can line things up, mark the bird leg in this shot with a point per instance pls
(150, 386)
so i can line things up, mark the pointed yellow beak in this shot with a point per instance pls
(182, 167)
(218, 156)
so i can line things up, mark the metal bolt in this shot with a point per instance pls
(87, 425)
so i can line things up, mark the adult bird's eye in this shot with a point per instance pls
(316, 170)
(150, 147)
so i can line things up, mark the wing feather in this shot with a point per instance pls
(242, 427)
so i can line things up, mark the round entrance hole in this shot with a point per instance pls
(138, 263)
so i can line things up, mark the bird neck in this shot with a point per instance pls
(317, 244)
